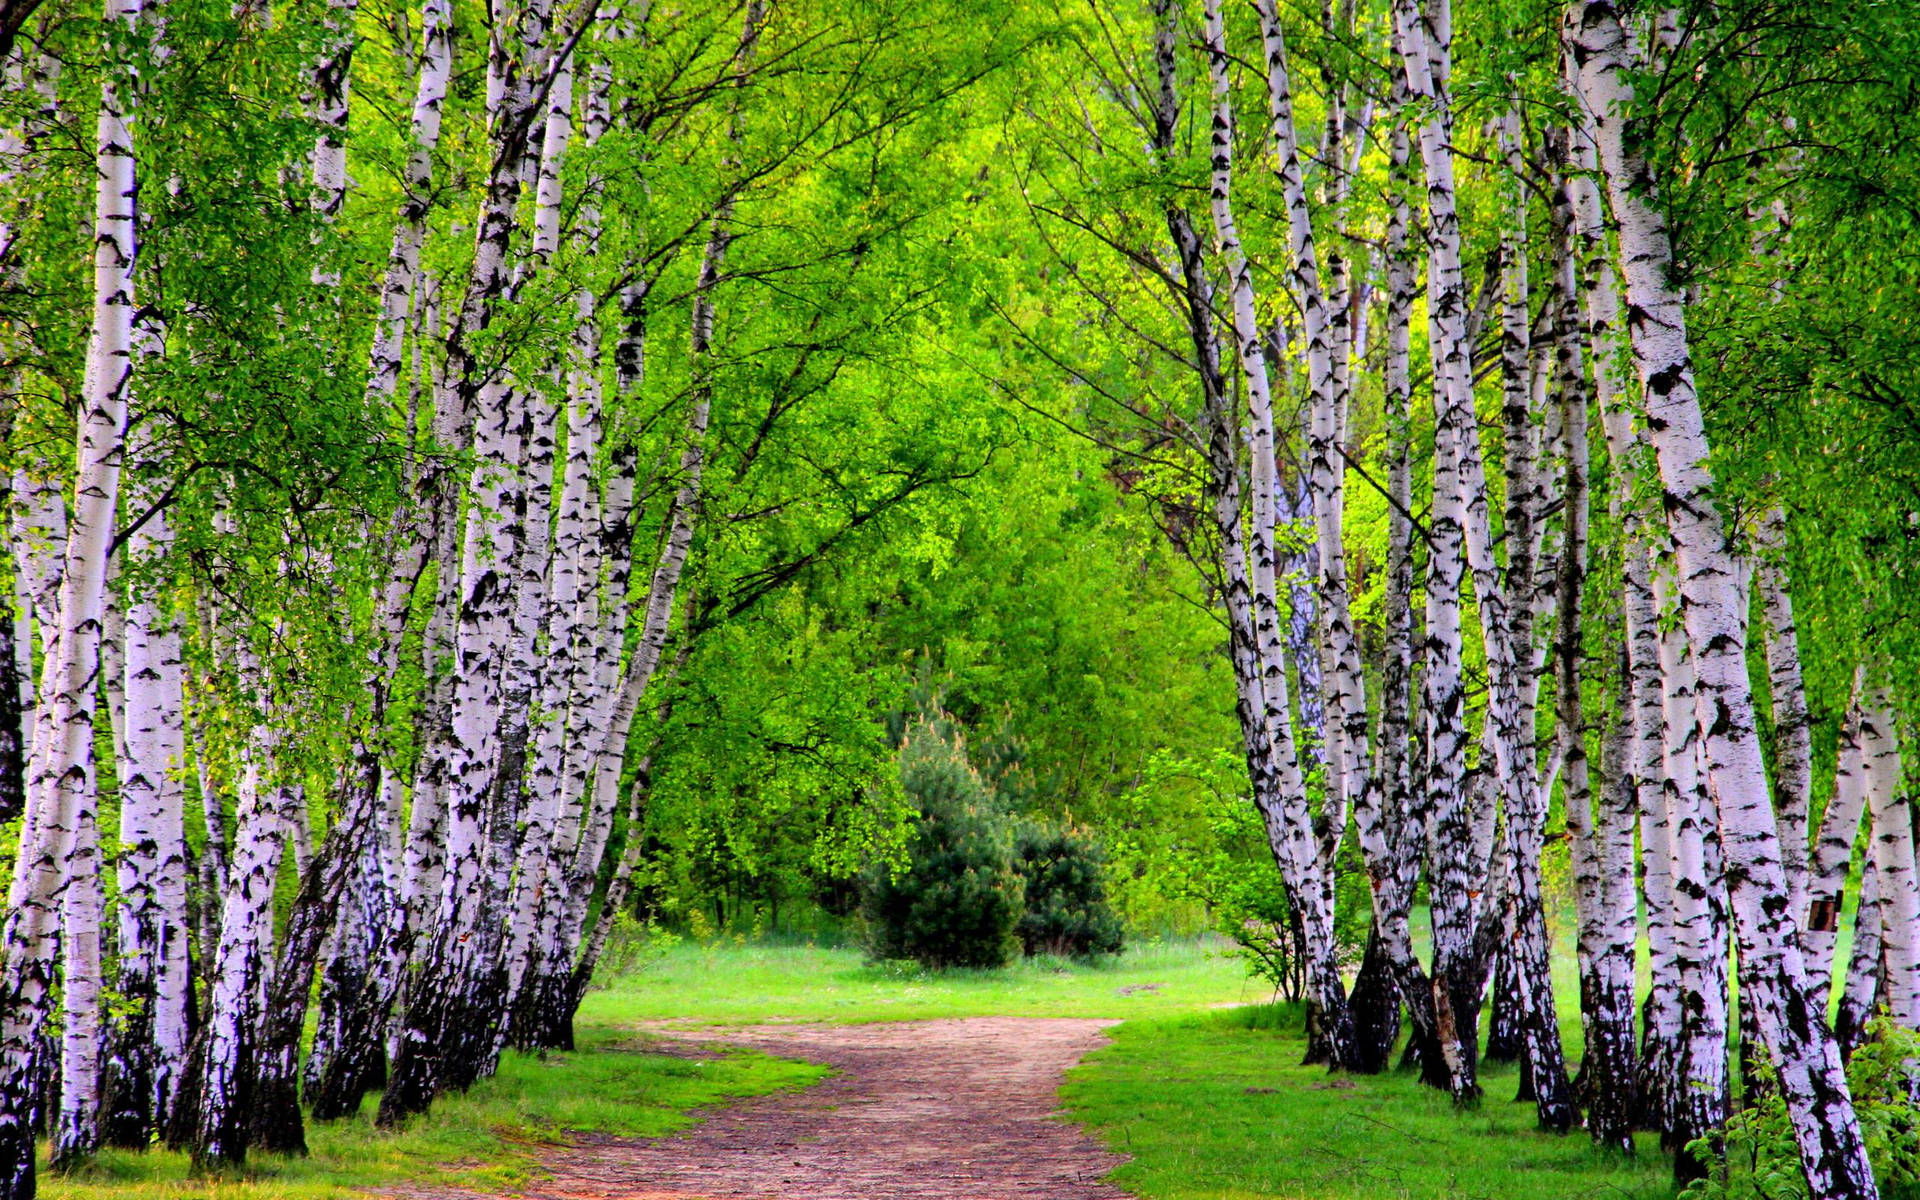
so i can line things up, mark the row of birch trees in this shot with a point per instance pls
(403, 399)
(354, 529)
(1354, 295)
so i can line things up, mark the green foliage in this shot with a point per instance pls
(958, 901)
(631, 946)
(1755, 1157)
(1067, 914)
(1192, 834)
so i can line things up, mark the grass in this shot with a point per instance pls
(1215, 1106)
(487, 1140)
(734, 983)
(1209, 1102)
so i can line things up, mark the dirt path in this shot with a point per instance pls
(921, 1110)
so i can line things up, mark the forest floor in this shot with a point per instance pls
(797, 1072)
(942, 1109)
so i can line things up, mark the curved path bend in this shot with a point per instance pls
(920, 1110)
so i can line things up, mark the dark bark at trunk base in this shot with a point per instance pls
(549, 1000)
(276, 1124)
(1506, 1026)
(228, 1130)
(358, 1066)
(1655, 1075)
(1456, 999)
(1523, 1089)
(1611, 1070)
(1423, 1030)
(447, 1043)
(1330, 1030)
(178, 1132)
(1375, 1005)
(275, 1120)
(127, 1118)
(23, 1114)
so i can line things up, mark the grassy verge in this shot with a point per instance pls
(487, 1139)
(1215, 1106)
(734, 983)
(1209, 1102)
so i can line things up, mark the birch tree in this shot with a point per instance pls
(64, 772)
(1773, 972)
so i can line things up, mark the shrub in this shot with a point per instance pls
(1755, 1158)
(959, 898)
(1067, 912)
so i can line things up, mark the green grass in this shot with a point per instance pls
(1215, 1106)
(487, 1139)
(1209, 1102)
(733, 983)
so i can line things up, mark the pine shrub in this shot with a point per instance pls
(959, 898)
(1067, 911)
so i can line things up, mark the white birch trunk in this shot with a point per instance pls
(1833, 849)
(1864, 974)
(540, 569)
(1700, 1095)
(1773, 973)
(329, 92)
(76, 1131)
(1892, 854)
(155, 978)
(57, 839)
(1423, 38)
(443, 1007)
(1792, 727)
(240, 961)
(1310, 876)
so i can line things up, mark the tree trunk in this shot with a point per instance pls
(276, 1124)
(1455, 880)
(1826, 880)
(1701, 1083)
(1792, 727)
(1892, 855)
(224, 1108)
(150, 1035)
(1399, 848)
(1832, 1152)
(1309, 874)
(1864, 974)
(56, 835)
(444, 1008)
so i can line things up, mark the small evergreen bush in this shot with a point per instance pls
(959, 899)
(1067, 912)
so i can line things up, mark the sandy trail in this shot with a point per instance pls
(921, 1110)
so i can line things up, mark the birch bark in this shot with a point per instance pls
(150, 1043)
(223, 1112)
(1700, 1095)
(1892, 853)
(443, 1009)
(1610, 1069)
(1864, 973)
(1792, 726)
(1773, 974)
(1833, 848)
(1330, 1024)
(55, 839)
(1455, 878)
